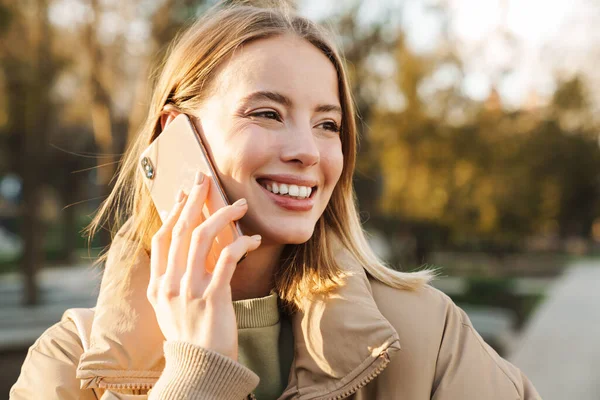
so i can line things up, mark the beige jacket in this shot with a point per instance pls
(368, 341)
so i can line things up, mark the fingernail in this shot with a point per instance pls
(258, 238)
(180, 195)
(240, 202)
(199, 178)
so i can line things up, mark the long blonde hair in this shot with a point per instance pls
(189, 68)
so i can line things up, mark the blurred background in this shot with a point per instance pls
(479, 155)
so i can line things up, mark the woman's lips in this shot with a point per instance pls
(289, 179)
(290, 203)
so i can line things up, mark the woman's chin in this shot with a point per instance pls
(286, 236)
(277, 231)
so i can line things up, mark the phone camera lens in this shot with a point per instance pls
(148, 169)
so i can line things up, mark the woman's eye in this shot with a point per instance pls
(267, 114)
(330, 126)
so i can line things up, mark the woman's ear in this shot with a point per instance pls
(168, 114)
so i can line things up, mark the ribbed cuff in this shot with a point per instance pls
(192, 372)
(257, 313)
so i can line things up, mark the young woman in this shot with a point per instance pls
(310, 313)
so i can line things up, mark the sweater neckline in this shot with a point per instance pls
(258, 312)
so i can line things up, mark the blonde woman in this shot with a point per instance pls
(310, 313)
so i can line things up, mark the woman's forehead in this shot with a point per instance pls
(283, 64)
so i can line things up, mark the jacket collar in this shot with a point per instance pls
(336, 337)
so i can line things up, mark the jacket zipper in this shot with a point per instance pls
(371, 373)
(367, 376)
(132, 386)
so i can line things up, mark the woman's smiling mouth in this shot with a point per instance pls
(294, 191)
(290, 192)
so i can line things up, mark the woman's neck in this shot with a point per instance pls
(253, 277)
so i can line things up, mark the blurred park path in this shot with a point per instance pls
(560, 347)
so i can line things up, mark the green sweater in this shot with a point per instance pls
(265, 343)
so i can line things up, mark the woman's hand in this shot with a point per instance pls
(192, 304)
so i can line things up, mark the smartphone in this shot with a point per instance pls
(170, 163)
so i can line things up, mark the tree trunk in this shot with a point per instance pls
(33, 164)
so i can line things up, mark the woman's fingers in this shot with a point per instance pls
(190, 218)
(161, 241)
(204, 237)
(229, 258)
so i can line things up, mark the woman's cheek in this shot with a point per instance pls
(247, 150)
(256, 152)
(333, 162)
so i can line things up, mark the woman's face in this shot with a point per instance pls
(272, 127)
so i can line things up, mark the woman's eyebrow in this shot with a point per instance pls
(285, 101)
(267, 95)
(329, 108)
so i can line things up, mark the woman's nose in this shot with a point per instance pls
(300, 146)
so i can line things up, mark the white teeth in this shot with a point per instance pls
(302, 191)
(295, 191)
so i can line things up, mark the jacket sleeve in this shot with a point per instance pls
(192, 372)
(49, 368)
(468, 368)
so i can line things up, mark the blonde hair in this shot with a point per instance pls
(190, 67)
